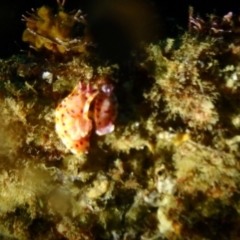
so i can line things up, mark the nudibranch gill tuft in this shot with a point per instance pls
(86, 106)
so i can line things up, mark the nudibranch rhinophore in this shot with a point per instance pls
(84, 108)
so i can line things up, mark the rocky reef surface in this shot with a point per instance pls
(169, 170)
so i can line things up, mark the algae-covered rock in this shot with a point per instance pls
(169, 169)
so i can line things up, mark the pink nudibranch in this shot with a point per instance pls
(73, 123)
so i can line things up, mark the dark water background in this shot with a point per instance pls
(161, 20)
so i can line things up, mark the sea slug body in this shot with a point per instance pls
(73, 124)
(105, 110)
(82, 109)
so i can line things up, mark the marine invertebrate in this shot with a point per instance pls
(54, 32)
(73, 115)
(214, 25)
(105, 110)
(72, 122)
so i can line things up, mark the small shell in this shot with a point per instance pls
(72, 122)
